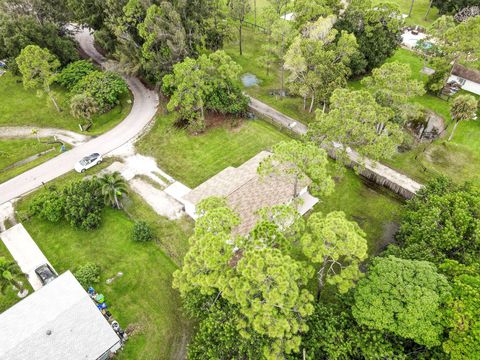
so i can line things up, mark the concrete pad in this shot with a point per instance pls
(25, 252)
(162, 203)
(177, 190)
(308, 202)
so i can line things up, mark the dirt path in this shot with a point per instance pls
(70, 137)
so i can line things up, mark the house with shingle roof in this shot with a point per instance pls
(468, 78)
(247, 192)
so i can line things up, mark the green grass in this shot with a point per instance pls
(251, 62)
(374, 208)
(14, 150)
(143, 296)
(34, 108)
(419, 11)
(194, 159)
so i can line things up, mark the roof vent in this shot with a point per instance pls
(49, 332)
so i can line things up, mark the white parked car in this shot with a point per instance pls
(87, 162)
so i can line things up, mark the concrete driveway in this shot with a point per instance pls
(144, 109)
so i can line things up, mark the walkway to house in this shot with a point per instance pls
(379, 173)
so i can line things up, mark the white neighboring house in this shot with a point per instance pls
(57, 322)
(246, 192)
(468, 78)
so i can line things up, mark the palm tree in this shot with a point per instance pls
(9, 276)
(113, 187)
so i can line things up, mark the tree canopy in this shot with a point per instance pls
(405, 297)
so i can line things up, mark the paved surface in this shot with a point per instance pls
(144, 108)
(70, 137)
(25, 252)
(381, 174)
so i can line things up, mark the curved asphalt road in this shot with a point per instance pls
(144, 108)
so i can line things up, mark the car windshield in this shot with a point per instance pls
(83, 162)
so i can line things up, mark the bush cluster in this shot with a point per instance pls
(73, 73)
(142, 232)
(106, 88)
(88, 274)
(80, 203)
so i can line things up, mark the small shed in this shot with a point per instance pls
(468, 78)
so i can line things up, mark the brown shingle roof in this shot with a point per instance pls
(246, 192)
(466, 73)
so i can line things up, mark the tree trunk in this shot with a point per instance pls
(117, 204)
(54, 102)
(311, 104)
(240, 37)
(453, 130)
(255, 15)
(321, 275)
(411, 8)
(429, 8)
(283, 70)
(304, 103)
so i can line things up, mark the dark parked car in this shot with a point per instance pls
(45, 273)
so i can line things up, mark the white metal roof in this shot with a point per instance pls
(25, 252)
(78, 331)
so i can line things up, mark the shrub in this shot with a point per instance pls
(105, 88)
(83, 204)
(88, 274)
(142, 232)
(48, 206)
(73, 73)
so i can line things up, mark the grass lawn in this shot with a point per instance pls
(14, 150)
(194, 159)
(143, 296)
(251, 62)
(32, 108)
(419, 11)
(374, 208)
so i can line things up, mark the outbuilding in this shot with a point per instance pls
(468, 78)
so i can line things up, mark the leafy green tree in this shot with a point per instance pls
(83, 106)
(405, 297)
(441, 222)
(267, 287)
(464, 107)
(73, 73)
(338, 246)
(334, 334)
(164, 40)
(113, 187)
(356, 121)
(10, 275)
(88, 275)
(311, 10)
(188, 97)
(239, 10)
(377, 29)
(106, 88)
(17, 32)
(208, 83)
(300, 161)
(462, 318)
(318, 61)
(83, 204)
(38, 67)
(392, 86)
(279, 6)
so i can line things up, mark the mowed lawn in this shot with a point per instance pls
(419, 10)
(194, 159)
(34, 108)
(15, 150)
(143, 297)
